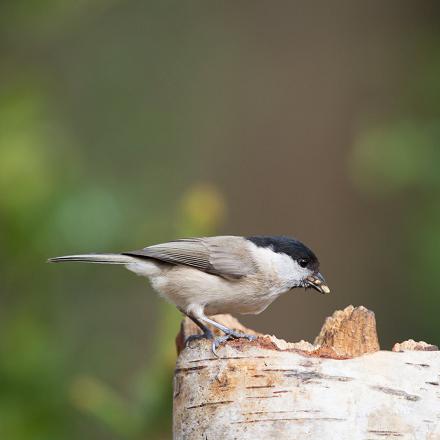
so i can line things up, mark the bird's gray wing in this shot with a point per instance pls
(230, 256)
(226, 256)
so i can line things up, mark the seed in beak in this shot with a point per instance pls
(314, 280)
(318, 283)
(325, 289)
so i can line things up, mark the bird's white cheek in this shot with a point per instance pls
(299, 273)
(290, 272)
(280, 267)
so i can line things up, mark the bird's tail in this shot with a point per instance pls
(95, 258)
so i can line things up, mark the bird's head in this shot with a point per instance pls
(303, 264)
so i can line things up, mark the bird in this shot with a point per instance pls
(207, 276)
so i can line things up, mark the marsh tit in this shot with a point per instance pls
(225, 274)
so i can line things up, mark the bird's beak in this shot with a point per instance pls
(317, 281)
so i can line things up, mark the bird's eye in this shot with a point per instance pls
(303, 262)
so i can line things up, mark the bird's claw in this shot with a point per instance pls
(192, 338)
(233, 335)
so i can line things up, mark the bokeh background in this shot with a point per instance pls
(127, 123)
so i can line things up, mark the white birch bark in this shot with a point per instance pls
(257, 391)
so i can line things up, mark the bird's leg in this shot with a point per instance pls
(207, 333)
(229, 334)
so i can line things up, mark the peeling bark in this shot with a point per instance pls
(350, 332)
(270, 389)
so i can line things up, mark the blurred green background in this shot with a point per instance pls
(126, 123)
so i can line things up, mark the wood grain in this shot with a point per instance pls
(341, 387)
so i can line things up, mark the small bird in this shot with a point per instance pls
(224, 274)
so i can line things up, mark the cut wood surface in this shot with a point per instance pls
(271, 389)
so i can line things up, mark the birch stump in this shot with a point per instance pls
(340, 387)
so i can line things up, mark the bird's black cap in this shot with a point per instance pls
(289, 246)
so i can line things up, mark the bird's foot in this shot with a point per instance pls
(232, 335)
(206, 335)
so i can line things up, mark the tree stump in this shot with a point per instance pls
(342, 387)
